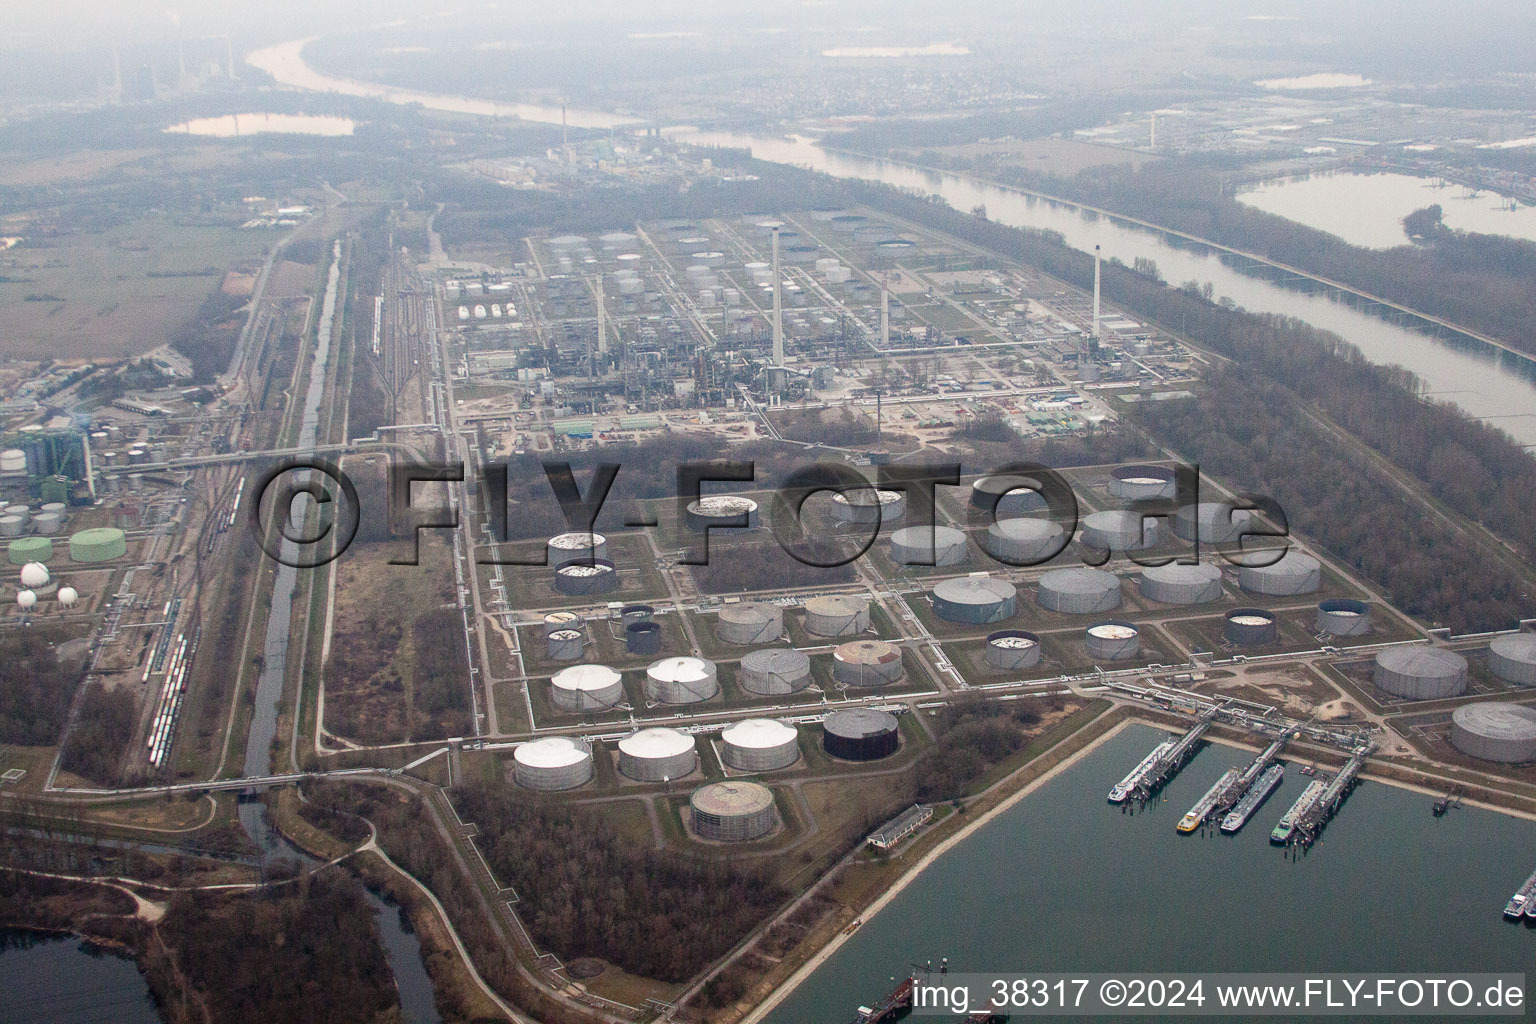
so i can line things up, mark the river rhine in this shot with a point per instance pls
(1064, 881)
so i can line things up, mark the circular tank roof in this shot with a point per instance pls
(759, 733)
(1025, 529)
(552, 752)
(1520, 647)
(1015, 640)
(1174, 573)
(680, 669)
(656, 743)
(728, 799)
(1113, 631)
(1498, 720)
(1080, 581)
(857, 723)
(1250, 617)
(780, 660)
(722, 505)
(585, 677)
(750, 612)
(576, 541)
(1001, 485)
(975, 590)
(583, 569)
(835, 604)
(867, 652)
(866, 496)
(1424, 662)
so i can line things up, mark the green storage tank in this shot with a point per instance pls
(101, 544)
(29, 549)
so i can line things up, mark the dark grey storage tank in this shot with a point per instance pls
(861, 734)
(1251, 627)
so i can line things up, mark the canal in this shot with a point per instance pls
(1064, 881)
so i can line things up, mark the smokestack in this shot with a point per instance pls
(90, 474)
(1095, 293)
(1154, 130)
(602, 319)
(229, 58)
(565, 138)
(778, 307)
(885, 313)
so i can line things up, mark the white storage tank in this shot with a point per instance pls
(1495, 731)
(833, 615)
(923, 545)
(1118, 530)
(775, 672)
(561, 620)
(1218, 522)
(586, 688)
(750, 622)
(576, 547)
(657, 755)
(552, 763)
(760, 745)
(1024, 541)
(1114, 640)
(1181, 584)
(582, 578)
(1142, 483)
(1078, 591)
(868, 505)
(867, 663)
(1513, 658)
(565, 644)
(1343, 616)
(681, 680)
(1295, 573)
(733, 812)
(1012, 649)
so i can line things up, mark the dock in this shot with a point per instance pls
(1239, 787)
(1256, 794)
(1310, 825)
(1523, 902)
(1175, 757)
(1287, 827)
(1122, 790)
(1207, 803)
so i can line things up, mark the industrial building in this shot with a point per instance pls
(1012, 650)
(1119, 530)
(1294, 573)
(1513, 658)
(1250, 627)
(860, 734)
(750, 622)
(657, 755)
(1343, 616)
(681, 680)
(759, 745)
(722, 512)
(578, 578)
(867, 505)
(1114, 640)
(774, 672)
(1079, 591)
(1024, 541)
(869, 663)
(834, 615)
(586, 688)
(1142, 483)
(924, 545)
(733, 812)
(974, 600)
(1181, 584)
(1421, 673)
(1495, 731)
(1217, 522)
(552, 763)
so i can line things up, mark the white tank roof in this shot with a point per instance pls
(552, 752)
(585, 678)
(680, 669)
(576, 541)
(656, 743)
(1112, 631)
(759, 733)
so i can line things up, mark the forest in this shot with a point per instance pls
(35, 690)
(101, 734)
(589, 891)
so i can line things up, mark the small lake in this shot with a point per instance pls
(1368, 209)
(232, 126)
(62, 979)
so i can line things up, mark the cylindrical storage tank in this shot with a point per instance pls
(12, 526)
(21, 512)
(974, 600)
(1421, 673)
(1006, 496)
(860, 734)
(1495, 731)
(642, 638)
(555, 621)
(868, 505)
(1513, 658)
(798, 254)
(576, 547)
(586, 688)
(1078, 591)
(29, 549)
(751, 622)
(1181, 584)
(656, 755)
(759, 745)
(567, 242)
(53, 506)
(721, 510)
(552, 764)
(1011, 649)
(774, 672)
(733, 812)
(681, 680)
(1218, 522)
(100, 544)
(1024, 541)
(13, 462)
(566, 644)
(833, 615)
(134, 481)
(1142, 483)
(48, 523)
(1343, 616)
(1118, 530)
(848, 222)
(585, 578)
(1112, 641)
(636, 613)
(923, 545)
(1251, 627)
(1294, 573)
(866, 663)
